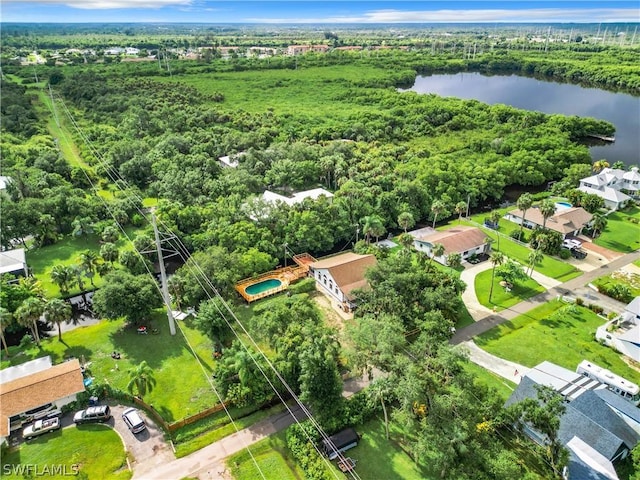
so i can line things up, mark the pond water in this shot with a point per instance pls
(621, 109)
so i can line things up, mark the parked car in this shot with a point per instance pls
(571, 243)
(579, 254)
(40, 427)
(133, 420)
(100, 413)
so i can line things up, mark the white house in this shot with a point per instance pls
(467, 241)
(34, 388)
(566, 221)
(231, 161)
(613, 185)
(14, 262)
(338, 276)
(623, 332)
(4, 181)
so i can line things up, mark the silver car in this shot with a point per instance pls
(134, 421)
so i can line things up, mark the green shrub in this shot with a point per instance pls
(26, 342)
(305, 453)
(565, 253)
(307, 285)
(579, 301)
(517, 235)
(595, 308)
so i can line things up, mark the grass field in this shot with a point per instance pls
(66, 252)
(560, 336)
(182, 388)
(97, 449)
(621, 234)
(502, 298)
(272, 457)
(485, 377)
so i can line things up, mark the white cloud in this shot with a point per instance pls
(109, 4)
(549, 15)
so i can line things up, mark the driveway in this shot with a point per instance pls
(147, 449)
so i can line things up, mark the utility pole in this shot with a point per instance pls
(163, 277)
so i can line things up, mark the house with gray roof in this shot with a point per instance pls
(595, 427)
(613, 185)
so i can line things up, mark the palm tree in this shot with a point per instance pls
(89, 262)
(5, 320)
(497, 258)
(618, 165)
(57, 311)
(437, 207)
(524, 203)
(141, 379)
(535, 256)
(28, 313)
(62, 276)
(437, 250)
(460, 208)
(600, 165)
(599, 223)
(454, 260)
(372, 227)
(406, 240)
(110, 234)
(109, 252)
(406, 221)
(547, 209)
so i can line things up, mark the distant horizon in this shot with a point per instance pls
(311, 12)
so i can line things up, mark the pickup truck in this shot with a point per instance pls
(41, 426)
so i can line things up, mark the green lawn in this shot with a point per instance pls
(66, 252)
(485, 377)
(621, 234)
(378, 457)
(630, 280)
(182, 388)
(273, 458)
(97, 449)
(565, 338)
(501, 298)
(224, 428)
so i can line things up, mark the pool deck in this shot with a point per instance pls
(286, 275)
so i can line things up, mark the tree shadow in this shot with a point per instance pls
(154, 348)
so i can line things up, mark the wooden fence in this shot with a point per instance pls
(172, 427)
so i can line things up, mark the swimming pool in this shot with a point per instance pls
(263, 286)
(563, 205)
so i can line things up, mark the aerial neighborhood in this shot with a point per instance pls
(299, 244)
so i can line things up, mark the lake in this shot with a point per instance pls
(623, 110)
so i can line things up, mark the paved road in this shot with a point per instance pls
(487, 323)
(506, 369)
(209, 462)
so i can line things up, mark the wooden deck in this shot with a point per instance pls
(286, 275)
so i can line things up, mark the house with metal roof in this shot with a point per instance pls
(338, 276)
(592, 416)
(14, 262)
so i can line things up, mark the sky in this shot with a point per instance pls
(310, 11)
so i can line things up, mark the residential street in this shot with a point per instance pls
(485, 322)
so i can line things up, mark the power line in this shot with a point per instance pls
(115, 177)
